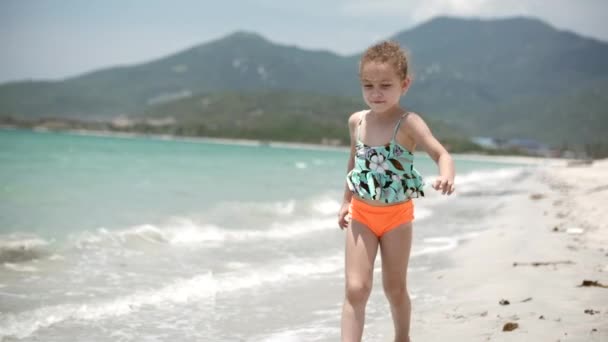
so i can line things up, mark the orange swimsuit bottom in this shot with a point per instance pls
(381, 219)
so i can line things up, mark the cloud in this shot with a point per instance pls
(421, 10)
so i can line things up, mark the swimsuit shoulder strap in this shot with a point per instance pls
(399, 124)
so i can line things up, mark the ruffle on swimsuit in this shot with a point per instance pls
(384, 173)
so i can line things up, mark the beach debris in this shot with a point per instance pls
(590, 283)
(543, 263)
(527, 300)
(591, 312)
(599, 188)
(504, 302)
(541, 317)
(555, 229)
(593, 330)
(575, 231)
(510, 326)
(536, 196)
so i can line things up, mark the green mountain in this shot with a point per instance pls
(515, 77)
(578, 115)
(240, 61)
(509, 78)
(504, 58)
(270, 115)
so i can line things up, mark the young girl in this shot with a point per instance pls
(380, 185)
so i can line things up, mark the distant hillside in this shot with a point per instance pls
(270, 115)
(576, 116)
(240, 61)
(505, 77)
(510, 78)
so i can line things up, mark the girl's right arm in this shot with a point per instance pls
(353, 121)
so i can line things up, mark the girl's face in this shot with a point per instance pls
(381, 85)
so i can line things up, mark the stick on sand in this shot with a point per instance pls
(543, 263)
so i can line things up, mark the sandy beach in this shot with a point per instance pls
(527, 268)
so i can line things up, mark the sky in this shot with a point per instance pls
(57, 39)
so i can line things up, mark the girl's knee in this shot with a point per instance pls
(396, 292)
(357, 292)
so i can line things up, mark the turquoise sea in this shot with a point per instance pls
(107, 238)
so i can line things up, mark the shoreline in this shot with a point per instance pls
(476, 157)
(511, 159)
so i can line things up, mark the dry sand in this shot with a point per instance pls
(561, 220)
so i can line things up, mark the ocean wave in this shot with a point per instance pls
(441, 244)
(24, 324)
(16, 248)
(180, 291)
(484, 182)
(325, 206)
(20, 268)
(198, 288)
(189, 232)
(490, 177)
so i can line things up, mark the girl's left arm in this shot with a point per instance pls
(423, 137)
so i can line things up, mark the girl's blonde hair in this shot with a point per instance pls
(387, 52)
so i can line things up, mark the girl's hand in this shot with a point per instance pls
(342, 220)
(444, 184)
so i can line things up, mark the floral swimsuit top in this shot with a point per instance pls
(385, 173)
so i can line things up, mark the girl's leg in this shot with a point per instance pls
(395, 248)
(361, 249)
